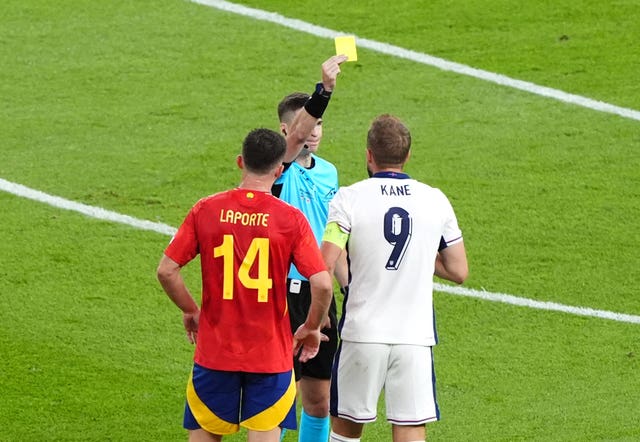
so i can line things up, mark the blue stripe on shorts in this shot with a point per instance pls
(222, 401)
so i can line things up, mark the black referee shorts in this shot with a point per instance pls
(299, 300)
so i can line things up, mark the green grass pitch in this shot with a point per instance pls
(140, 108)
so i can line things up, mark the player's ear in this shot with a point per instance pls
(240, 162)
(369, 156)
(283, 128)
(279, 171)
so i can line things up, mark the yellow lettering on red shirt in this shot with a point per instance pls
(243, 218)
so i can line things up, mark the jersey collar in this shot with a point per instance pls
(397, 175)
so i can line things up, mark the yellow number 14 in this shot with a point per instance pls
(258, 250)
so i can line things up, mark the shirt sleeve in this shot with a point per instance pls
(184, 245)
(338, 211)
(451, 233)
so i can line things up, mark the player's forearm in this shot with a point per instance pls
(171, 281)
(180, 295)
(440, 270)
(451, 264)
(321, 297)
(341, 270)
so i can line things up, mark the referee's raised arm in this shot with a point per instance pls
(305, 121)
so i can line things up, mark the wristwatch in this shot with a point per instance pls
(320, 90)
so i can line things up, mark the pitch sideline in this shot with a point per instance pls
(165, 229)
(418, 57)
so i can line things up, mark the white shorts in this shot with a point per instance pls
(362, 370)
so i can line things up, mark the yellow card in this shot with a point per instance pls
(347, 45)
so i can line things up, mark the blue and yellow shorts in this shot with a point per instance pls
(222, 401)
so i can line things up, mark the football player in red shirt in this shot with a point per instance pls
(247, 239)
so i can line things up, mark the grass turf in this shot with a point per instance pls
(140, 107)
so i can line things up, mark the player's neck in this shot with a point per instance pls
(259, 184)
(388, 169)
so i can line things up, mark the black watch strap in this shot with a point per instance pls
(320, 90)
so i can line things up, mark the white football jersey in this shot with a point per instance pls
(396, 226)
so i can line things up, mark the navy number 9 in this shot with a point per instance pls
(397, 232)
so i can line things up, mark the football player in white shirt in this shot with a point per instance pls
(398, 233)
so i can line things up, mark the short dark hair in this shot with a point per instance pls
(263, 150)
(389, 141)
(290, 104)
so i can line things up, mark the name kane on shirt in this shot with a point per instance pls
(388, 190)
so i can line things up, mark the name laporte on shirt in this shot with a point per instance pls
(243, 218)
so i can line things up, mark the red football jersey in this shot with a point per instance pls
(246, 240)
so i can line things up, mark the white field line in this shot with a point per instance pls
(426, 59)
(107, 215)
(91, 211)
(532, 303)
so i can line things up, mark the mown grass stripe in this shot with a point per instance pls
(425, 59)
(91, 211)
(107, 215)
(534, 304)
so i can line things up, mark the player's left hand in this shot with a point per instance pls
(307, 342)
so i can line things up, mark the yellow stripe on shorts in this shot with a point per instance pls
(205, 417)
(272, 416)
